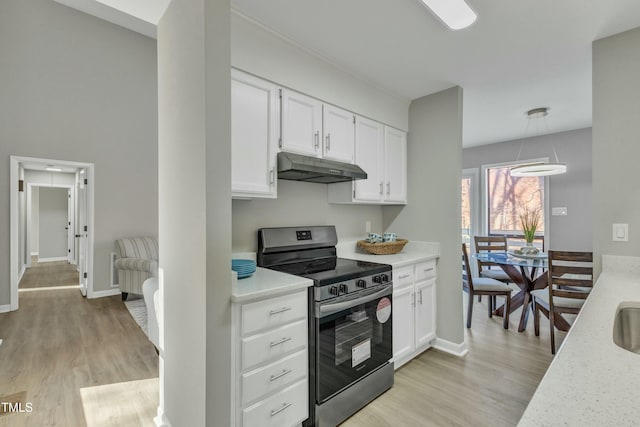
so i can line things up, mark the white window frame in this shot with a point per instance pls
(484, 196)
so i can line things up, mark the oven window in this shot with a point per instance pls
(351, 344)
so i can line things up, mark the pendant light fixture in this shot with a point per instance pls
(538, 168)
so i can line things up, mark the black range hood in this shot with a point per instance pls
(296, 167)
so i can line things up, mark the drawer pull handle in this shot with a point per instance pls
(282, 310)
(280, 409)
(404, 276)
(428, 269)
(282, 341)
(280, 375)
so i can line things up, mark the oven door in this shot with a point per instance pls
(353, 338)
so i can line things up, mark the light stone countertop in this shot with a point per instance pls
(265, 283)
(413, 251)
(591, 381)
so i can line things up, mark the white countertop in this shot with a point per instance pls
(591, 381)
(412, 252)
(265, 283)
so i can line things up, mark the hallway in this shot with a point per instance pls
(59, 345)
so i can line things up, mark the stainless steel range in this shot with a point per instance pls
(350, 322)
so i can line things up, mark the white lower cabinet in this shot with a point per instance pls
(271, 379)
(414, 314)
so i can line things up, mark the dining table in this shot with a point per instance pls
(528, 272)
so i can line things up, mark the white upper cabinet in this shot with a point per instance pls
(369, 145)
(395, 165)
(338, 134)
(255, 118)
(301, 124)
(382, 152)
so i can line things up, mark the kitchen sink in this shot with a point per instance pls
(626, 328)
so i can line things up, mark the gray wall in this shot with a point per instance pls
(299, 203)
(616, 145)
(571, 190)
(195, 212)
(433, 213)
(53, 214)
(75, 87)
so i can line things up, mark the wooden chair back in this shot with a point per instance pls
(489, 244)
(570, 275)
(467, 281)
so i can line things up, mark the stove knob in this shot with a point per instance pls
(377, 279)
(385, 278)
(333, 290)
(361, 283)
(344, 289)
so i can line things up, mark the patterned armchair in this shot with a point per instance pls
(136, 261)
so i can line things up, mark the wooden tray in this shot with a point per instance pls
(383, 248)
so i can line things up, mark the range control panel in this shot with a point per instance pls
(349, 286)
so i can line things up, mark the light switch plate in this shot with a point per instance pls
(559, 211)
(620, 232)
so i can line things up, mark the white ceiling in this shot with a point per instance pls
(518, 55)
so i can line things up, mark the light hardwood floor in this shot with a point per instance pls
(59, 346)
(70, 356)
(490, 386)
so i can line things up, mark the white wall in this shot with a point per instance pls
(571, 190)
(53, 215)
(77, 88)
(434, 152)
(195, 212)
(616, 145)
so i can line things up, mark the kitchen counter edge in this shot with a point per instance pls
(265, 283)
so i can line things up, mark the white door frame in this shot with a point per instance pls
(30, 186)
(14, 217)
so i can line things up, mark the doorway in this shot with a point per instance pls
(51, 216)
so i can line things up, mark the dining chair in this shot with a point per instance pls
(484, 286)
(490, 269)
(570, 279)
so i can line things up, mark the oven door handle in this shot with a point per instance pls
(330, 308)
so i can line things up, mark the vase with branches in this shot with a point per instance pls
(530, 222)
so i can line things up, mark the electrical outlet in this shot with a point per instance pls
(620, 232)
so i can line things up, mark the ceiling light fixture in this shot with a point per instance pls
(53, 169)
(455, 14)
(538, 168)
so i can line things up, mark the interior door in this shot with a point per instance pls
(71, 253)
(82, 234)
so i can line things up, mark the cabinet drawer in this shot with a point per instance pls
(284, 409)
(273, 312)
(263, 381)
(426, 270)
(402, 277)
(273, 344)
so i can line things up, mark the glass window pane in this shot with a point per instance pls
(466, 210)
(509, 197)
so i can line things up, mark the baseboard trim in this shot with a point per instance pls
(5, 308)
(161, 419)
(63, 258)
(22, 270)
(34, 253)
(456, 349)
(105, 293)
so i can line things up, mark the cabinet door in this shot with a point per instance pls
(301, 124)
(425, 312)
(403, 324)
(254, 134)
(395, 165)
(338, 127)
(368, 149)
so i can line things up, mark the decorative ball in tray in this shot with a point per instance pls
(383, 248)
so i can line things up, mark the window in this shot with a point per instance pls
(466, 210)
(509, 197)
